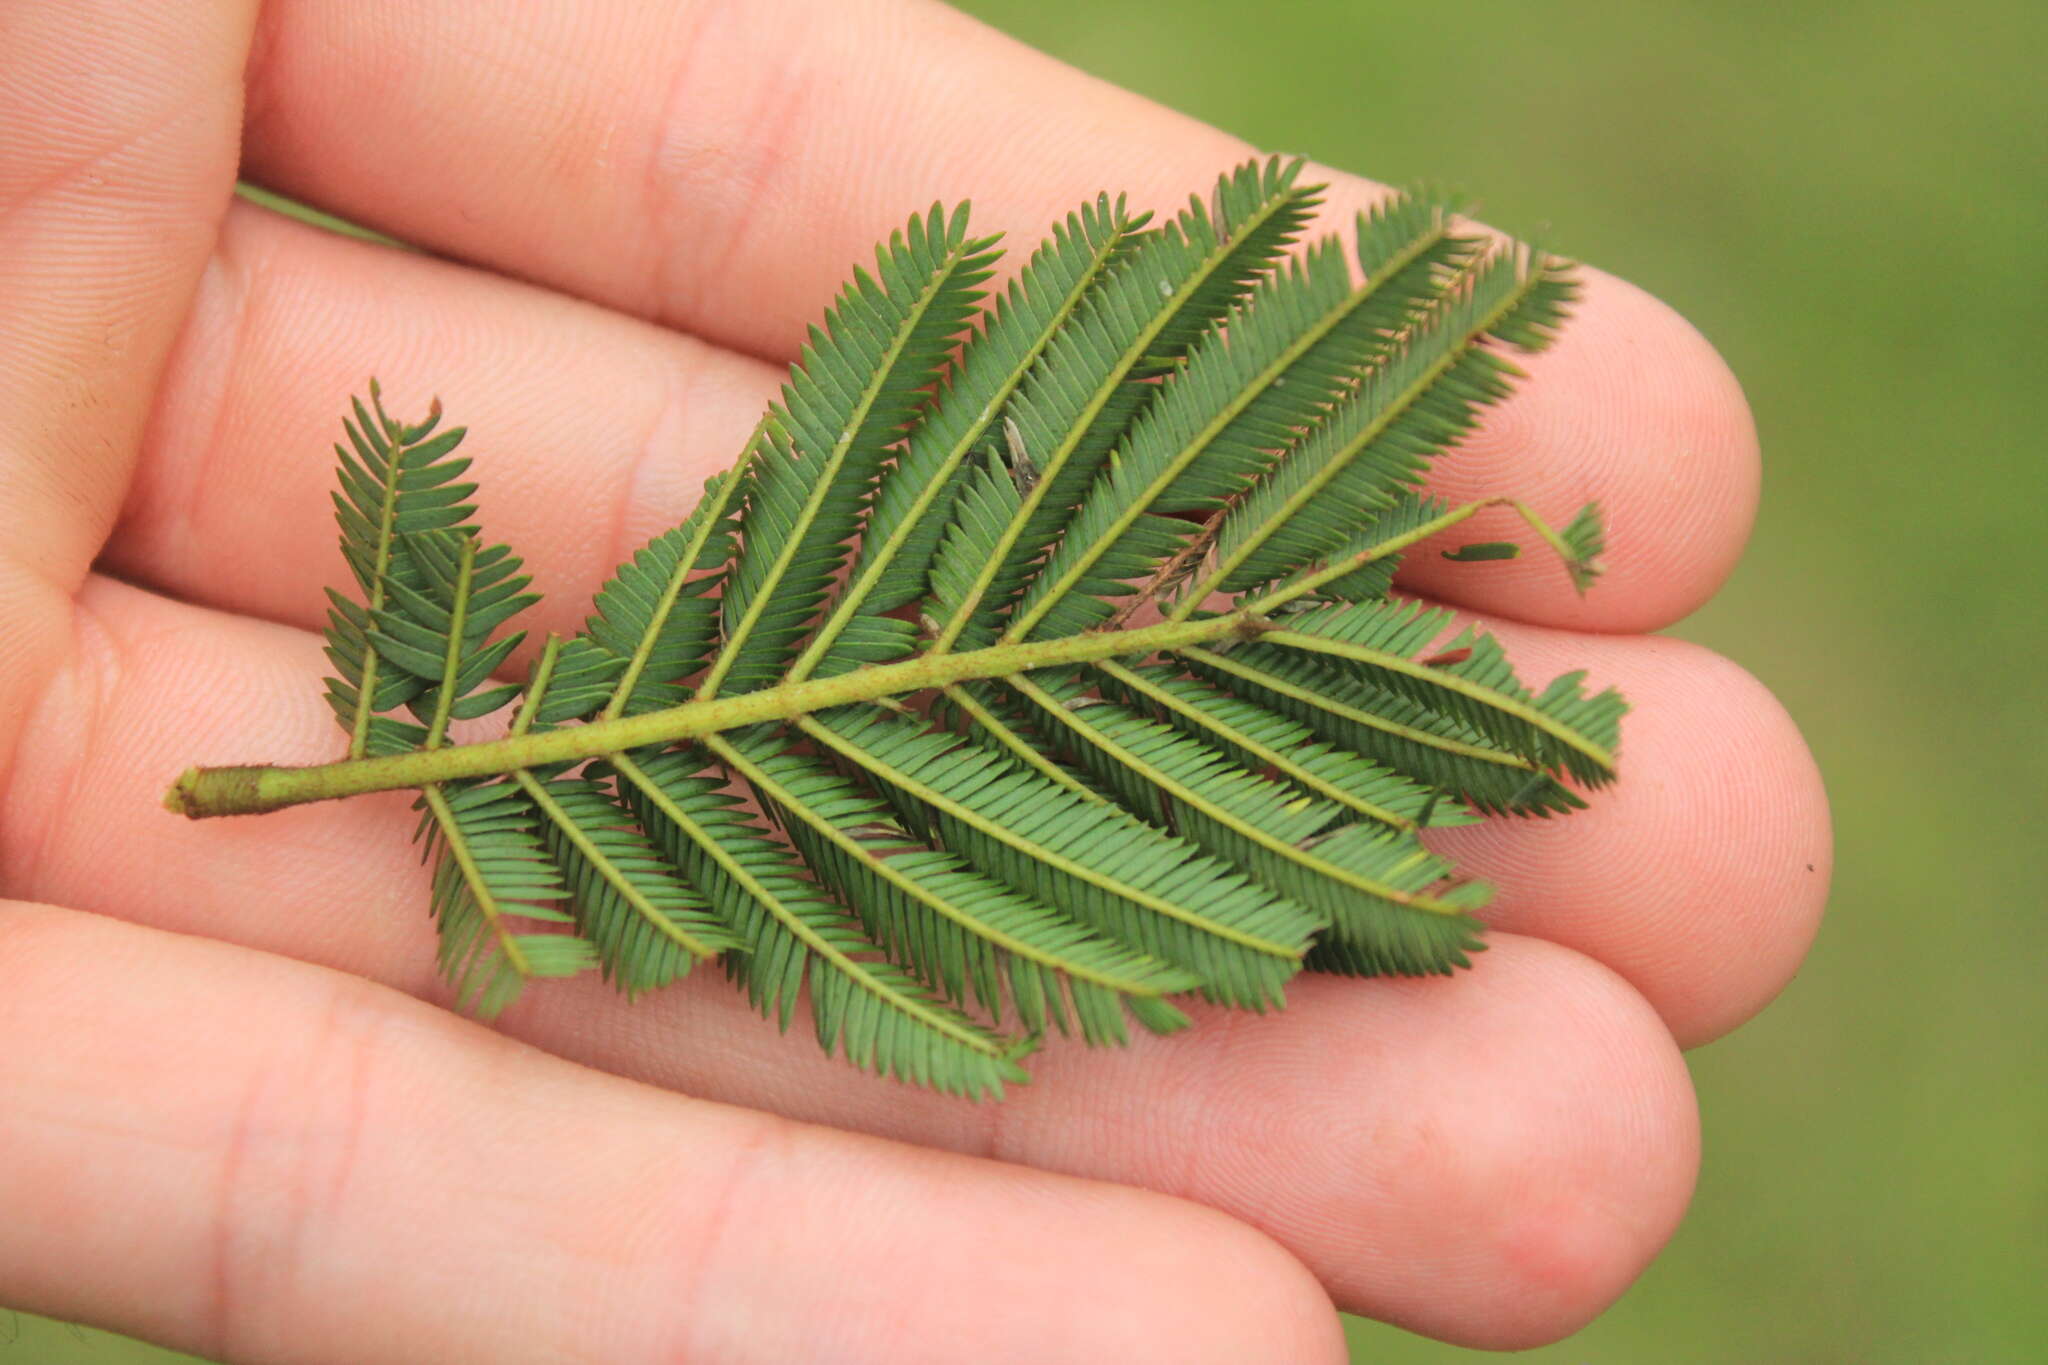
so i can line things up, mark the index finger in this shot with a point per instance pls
(717, 167)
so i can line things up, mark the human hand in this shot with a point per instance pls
(211, 1145)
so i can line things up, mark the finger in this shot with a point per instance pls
(313, 1169)
(117, 149)
(1532, 1087)
(719, 167)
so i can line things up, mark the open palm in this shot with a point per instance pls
(225, 1121)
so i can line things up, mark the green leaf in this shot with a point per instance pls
(647, 925)
(1357, 878)
(656, 621)
(1285, 355)
(1421, 401)
(1582, 542)
(1384, 645)
(1260, 739)
(1033, 665)
(1129, 880)
(910, 513)
(395, 480)
(440, 629)
(1383, 726)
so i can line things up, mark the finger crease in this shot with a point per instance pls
(661, 437)
(707, 1251)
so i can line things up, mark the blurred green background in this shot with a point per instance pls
(1851, 200)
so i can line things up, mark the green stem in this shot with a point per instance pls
(204, 792)
(201, 793)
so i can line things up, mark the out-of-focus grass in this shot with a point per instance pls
(28, 1340)
(1851, 200)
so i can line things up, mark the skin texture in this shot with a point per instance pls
(231, 1124)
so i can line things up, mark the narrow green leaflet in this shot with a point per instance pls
(1130, 880)
(490, 868)
(646, 924)
(1284, 356)
(657, 615)
(490, 872)
(441, 629)
(959, 931)
(1357, 878)
(1259, 739)
(1469, 680)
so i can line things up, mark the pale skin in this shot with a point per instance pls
(232, 1116)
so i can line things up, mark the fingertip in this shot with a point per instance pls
(1633, 409)
(1567, 1235)
(1701, 875)
(1766, 857)
(1247, 1297)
